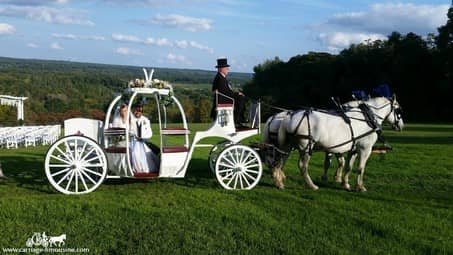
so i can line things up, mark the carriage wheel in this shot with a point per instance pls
(214, 153)
(238, 167)
(75, 165)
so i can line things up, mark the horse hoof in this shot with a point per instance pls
(346, 186)
(360, 189)
(313, 187)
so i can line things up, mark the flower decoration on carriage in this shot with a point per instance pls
(137, 83)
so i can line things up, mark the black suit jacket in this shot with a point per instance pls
(220, 84)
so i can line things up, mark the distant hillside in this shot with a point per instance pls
(61, 89)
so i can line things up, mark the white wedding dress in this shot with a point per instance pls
(143, 158)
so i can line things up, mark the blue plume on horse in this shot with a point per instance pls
(360, 94)
(382, 90)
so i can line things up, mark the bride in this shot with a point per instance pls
(143, 158)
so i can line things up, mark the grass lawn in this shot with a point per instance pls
(408, 208)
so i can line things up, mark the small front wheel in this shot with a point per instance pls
(214, 153)
(75, 165)
(238, 167)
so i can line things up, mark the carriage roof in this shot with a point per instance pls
(164, 91)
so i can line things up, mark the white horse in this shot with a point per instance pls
(53, 240)
(305, 129)
(270, 136)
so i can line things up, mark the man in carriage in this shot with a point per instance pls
(223, 93)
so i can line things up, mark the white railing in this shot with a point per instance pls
(14, 137)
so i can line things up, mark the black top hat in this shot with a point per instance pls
(222, 62)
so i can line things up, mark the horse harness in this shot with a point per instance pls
(369, 118)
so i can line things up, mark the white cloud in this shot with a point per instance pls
(126, 38)
(128, 51)
(46, 14)
(388, 17)
(173, 58)
(65, 36)
(184, 22)
(33, 2)
(32, 45)
(340, 40)
(56, 46)
(7, 29)
(79, 37)
(378, 21)
(183, 44)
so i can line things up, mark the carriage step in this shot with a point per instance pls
(243, 129)
(175, 131)
(175, 149)
(146, 175)
(115, 150)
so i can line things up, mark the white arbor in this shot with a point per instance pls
(17, 102)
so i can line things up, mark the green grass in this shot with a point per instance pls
(407, 210)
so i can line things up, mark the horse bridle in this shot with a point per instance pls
(397, 112)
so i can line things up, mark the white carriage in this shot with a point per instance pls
(92, 151)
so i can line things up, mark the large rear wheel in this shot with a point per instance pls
(75, 165)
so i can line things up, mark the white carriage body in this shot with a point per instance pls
(115, 161)
(86, 127)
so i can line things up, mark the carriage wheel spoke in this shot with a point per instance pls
(226, 170)
(75, 150)
(64, 177)
(244, 174)
(227, 176)
(229, 161)
(93, 165)
(60, 159)
(86, 155)
(59, 165)
(91, 171)
(68, 149)
(250, 162)
(83, 149)
(236, 180)
(251, 171)
(237, 155)
(62, 171)
(62, 153)
(70, 180)
(249, 176)
(83, 181)
(92, 159)
(240, 180)
(76, 181)
(225, 165)
(251, 166)
(234, 175)
(246, 158)
(89, 178)
(232, 157)
(242, 156)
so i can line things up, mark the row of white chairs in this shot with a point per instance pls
(13, 137)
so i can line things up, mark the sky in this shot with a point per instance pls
(192, 34)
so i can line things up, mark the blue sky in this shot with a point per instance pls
(194, 33)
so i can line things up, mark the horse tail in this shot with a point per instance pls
(283, 142)
(265, 137)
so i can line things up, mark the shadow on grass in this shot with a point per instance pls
(421, 140)
(26, 172)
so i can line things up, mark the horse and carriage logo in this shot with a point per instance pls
(41, 239)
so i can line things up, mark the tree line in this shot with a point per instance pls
(58, 90)
(419, 69)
